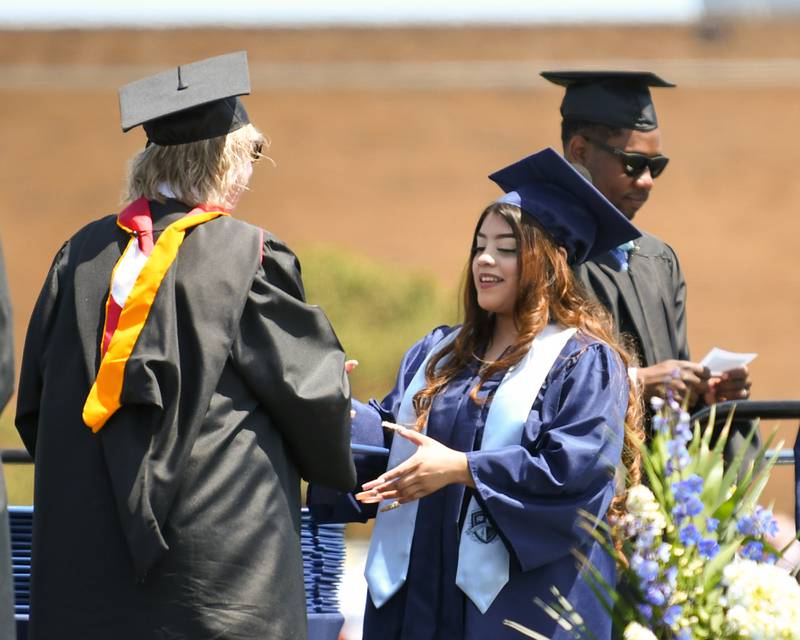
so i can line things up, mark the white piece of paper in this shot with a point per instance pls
(719, 361)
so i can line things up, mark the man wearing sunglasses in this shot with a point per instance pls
(609, 127)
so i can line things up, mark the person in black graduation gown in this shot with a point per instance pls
(484, 516)
(7, 623)
(172, 413)
(609, 127)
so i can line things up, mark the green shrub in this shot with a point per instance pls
(378, 311)
(18, 477)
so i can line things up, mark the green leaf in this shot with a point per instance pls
(756, 486)
(653, 470)
(725, 510)
(733, 471)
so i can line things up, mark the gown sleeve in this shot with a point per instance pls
(329, 505)
(291, 359)
(30, 380)
(571, 445)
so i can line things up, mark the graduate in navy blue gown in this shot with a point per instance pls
(503, 429)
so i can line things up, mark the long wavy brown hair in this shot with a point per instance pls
(547, 292)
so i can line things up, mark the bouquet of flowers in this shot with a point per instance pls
(696, 561)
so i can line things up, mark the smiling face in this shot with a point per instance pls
(495, 266)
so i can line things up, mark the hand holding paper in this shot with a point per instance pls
(731, 379)
(719, 360)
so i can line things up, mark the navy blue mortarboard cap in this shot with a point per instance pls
(615, 98)
(579, 217)
(196, 101)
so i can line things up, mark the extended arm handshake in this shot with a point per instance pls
(432, 467)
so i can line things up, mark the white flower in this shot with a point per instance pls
(635, 631)
(642, 505)
(763, 601)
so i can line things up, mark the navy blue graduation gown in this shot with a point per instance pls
(532, 493)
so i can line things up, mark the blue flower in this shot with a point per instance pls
(711, 524)
(767, 524)
(753, 550)
(759, 523)
(690, 507)
(647, 570)
(671, 574)
(660, 425)
(672, 614)
(683, 634)
(675, 448)
(708, 548)
(689, 535)
(645, 538)
(679, 513)
(678, 456)
(683, 431)
(685, 489)
(655, 596)
(694, 506)
(746, 525)
(695, 483)
(646, 610)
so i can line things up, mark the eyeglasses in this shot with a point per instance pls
(634, 164)
(256, 153)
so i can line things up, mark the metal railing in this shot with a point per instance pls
(750, 410)
(15, 456)
(744, 410)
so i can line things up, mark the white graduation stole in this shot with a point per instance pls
(482, 556)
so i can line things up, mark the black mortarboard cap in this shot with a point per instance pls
(568, 206)
(615, 98)
(193, 102)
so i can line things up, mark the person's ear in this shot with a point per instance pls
(577, 148)
(563, 252)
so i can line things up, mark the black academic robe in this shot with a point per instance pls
(647, 302)
(7, 623)
(180, 518)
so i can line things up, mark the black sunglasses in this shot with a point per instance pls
(634, 164)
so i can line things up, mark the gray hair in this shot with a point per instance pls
(212, 172)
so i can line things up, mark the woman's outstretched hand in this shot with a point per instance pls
(432, 467)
